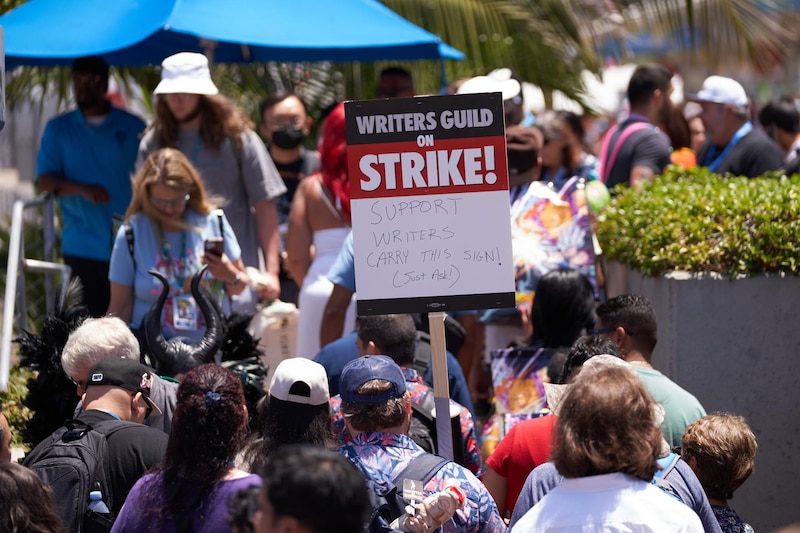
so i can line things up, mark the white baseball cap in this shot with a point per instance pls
(186, 72)
(300, 380)
(721, 90)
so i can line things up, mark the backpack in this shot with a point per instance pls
(391, 505)
(73, 461)
(666, 464)
(423, 428)
(608, 154)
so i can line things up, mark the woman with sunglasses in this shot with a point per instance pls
(174, 227)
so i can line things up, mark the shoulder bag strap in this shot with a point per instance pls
(629, 130)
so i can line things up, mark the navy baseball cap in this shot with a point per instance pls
(367, 368)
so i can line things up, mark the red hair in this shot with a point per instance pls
(333, 160)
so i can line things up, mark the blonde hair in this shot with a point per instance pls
(169, 167)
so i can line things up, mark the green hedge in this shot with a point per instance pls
(698, 221)
(11, 402)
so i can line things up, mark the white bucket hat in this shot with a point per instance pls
(484, 84)
(186, 72)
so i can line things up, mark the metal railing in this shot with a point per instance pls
(16, 300)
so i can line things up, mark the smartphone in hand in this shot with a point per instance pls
(214, 246)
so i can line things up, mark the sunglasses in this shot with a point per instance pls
(149, 410)
(161, 203)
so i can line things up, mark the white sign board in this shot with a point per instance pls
(429, 204)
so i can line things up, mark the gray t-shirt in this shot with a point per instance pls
(258, 180)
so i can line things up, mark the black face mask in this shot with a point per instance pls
(287, 137)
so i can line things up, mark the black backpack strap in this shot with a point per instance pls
(421, 468)
(129, 240)
(106, 428)
(422, 354)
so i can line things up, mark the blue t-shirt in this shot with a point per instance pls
(343, 270)
(99, 155)
(174, 263)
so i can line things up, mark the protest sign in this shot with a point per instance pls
(429, 204)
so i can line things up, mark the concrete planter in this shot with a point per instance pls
(735, 345)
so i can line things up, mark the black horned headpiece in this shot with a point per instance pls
(174, 356)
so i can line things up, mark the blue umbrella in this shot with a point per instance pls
(144, 32)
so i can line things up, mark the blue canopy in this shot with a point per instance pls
(144, 32)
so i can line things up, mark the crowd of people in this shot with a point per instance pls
(560, 420)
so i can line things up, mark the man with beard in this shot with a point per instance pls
(85, 159)
(636, 150)
(285, 124)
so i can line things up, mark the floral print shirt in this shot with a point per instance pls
(382, 456)
(417, 389)
(729, 520)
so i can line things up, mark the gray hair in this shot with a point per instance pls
(95, 340)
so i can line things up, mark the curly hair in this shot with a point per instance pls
(219, 120)
(607, 424)
(28, 503)
(724, 452)
(169, 167)
(585, 348)
(333, 160)
(208, 428)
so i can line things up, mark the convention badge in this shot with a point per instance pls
(184, 312)
(412, 490)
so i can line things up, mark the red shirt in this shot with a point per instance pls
(523, 448)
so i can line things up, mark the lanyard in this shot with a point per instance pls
(196, 149)
(558, 180)
(714, 165)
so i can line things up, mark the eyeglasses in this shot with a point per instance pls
(292, 122)
(78, 384)
(162, 203)
(609, 329)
